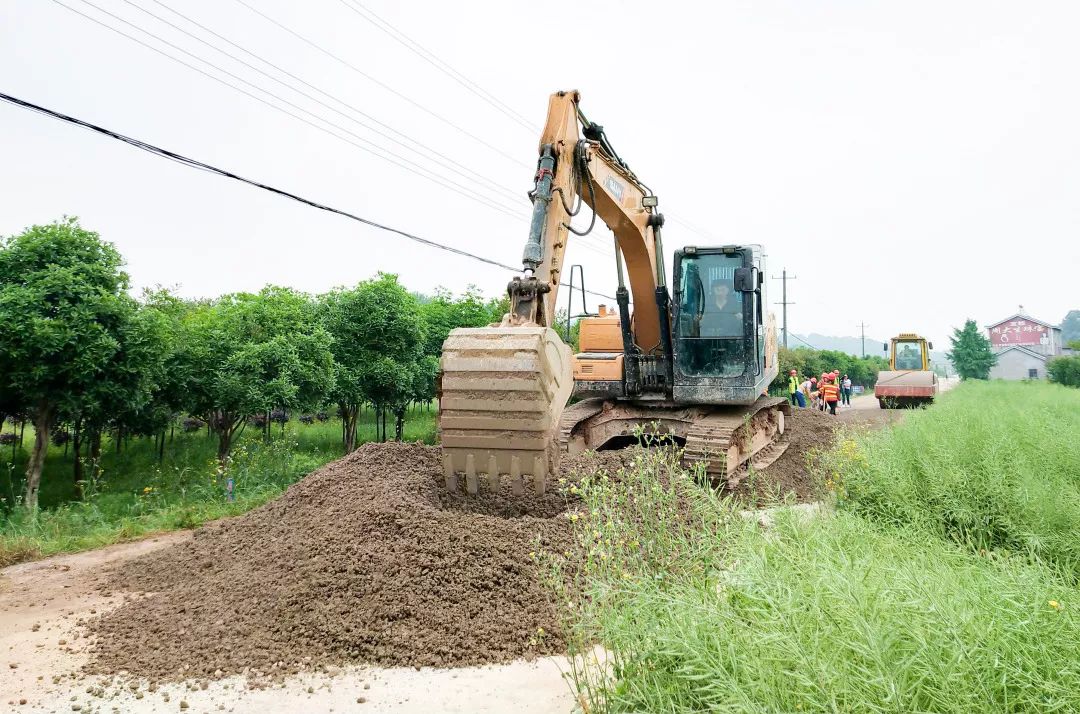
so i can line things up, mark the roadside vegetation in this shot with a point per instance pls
(103, 394)
(943, 579)
(134, 493)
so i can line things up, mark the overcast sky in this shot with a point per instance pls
(913, 163)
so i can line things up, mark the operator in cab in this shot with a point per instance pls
(722, 316)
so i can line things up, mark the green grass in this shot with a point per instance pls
(136, 495)
(859, 610)
(993, 466)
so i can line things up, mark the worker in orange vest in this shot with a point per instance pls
(830, 393)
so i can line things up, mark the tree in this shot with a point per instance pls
(122, 393)
(67, 319)
(442, 313)
(1070, 327)
(247, 354)
(1065, 369)
(971, 354)
(390, 334)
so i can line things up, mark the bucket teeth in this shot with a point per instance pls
(493, 474)
(474, 479)
(449, 473)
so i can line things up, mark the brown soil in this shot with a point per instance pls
(367, 560)
(807, 430)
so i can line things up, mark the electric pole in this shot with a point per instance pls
(862, 326)
(784, 277)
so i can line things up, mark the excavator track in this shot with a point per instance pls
(730, 441)
(501, 393)
(571, 417)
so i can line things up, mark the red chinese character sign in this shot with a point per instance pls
(1017, 332)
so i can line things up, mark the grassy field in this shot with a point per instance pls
(136, 494)
(942, 582)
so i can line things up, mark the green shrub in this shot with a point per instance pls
(993, 466)
(1064, 370)
(697, 608)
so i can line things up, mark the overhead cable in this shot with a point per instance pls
(194, 163)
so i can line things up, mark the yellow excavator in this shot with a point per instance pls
(693, 364)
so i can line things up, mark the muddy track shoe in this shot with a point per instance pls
(727, 440)
(501, 393)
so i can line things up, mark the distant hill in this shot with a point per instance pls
(851, 345)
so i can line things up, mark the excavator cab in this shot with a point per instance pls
(719, 325)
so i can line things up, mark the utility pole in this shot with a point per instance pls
(784, 277)
(862, 326)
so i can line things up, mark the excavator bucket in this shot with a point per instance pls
(502, 391)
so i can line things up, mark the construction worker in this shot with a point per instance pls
(845, 390)
(821, 387)
(806, 387)
(793, 389)
(830, 394)
(814, 394)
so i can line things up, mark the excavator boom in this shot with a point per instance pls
(503, 388)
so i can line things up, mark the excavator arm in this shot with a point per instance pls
(573, 168)
(502, 389)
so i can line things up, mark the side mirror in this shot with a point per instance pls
(885, 348)
(930, 345)
(746, 279)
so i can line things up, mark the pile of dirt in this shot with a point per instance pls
(807, 430)
(368, 561)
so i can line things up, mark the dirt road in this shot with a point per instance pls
(41, 652)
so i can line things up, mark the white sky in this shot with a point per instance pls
(914, 163)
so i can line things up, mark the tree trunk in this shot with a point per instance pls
(383, 410)
(95, 452)
(22, 431)
(226, 431)
(119, 439)
(172, 431)
(77, 467)
(349, 416)
(37, 459)
(399, 423)
(161, 448)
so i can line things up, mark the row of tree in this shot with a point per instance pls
(809, 362)
(78, 351)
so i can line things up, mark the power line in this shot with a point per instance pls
(443, 66)
(398, 160)
(385, 86)
(423, 172)
(431, 58)
(446, 161)
(804, 342)
(193, 163)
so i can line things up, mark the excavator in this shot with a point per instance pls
(688, 359)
